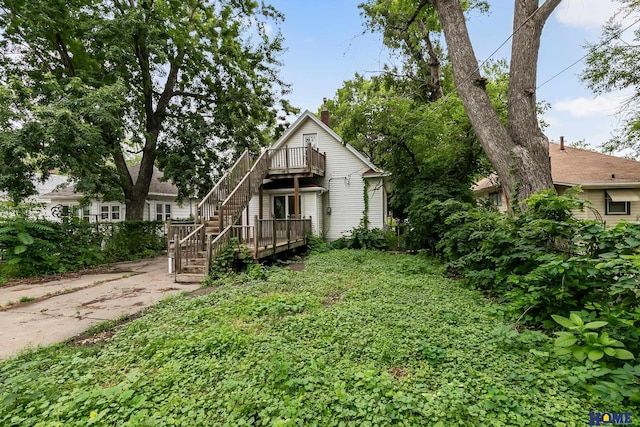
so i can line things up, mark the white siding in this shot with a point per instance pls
(377, 203)
(343, 180)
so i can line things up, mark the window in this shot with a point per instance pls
(163, 212)
(495, 198)
(110, 212)
(615, 203)
(283, 206)
(82, 212)
(310, 139)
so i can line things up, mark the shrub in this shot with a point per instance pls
(30, 247)
(130, 240)
(364, 238)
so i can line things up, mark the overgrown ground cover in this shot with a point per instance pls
(359, 338)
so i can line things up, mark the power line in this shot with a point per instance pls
(466, 79)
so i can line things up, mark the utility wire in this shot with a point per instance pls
(466, 79)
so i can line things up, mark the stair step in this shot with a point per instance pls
(189, 278)
(193, 269)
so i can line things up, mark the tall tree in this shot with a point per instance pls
(612, 64)
(519, 151)
(179, 83)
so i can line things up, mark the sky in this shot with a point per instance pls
(327, 43)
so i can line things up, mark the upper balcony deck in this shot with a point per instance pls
(296, 162)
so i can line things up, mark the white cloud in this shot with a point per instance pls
(591, 107)
(590, 14)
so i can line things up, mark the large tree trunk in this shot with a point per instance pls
(520, 152)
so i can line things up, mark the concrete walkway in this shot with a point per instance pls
(65, 308)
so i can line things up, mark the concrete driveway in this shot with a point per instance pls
(51, 312)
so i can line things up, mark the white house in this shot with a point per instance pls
(308, 180)
(334, 197)
(161, 203)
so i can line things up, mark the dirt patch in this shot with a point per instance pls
(102, 334)
(201, 291)
(296, 266)
(397, 372)
(331, 299)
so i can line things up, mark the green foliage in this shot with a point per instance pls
(183, 83)
(611, 65)
(30, 248)
(229, 259)
(36, 247)
(357, 338)
(582, 341)
(605, 372)
(364, 238)
(131, 240)
(543, 263)
(317, 244)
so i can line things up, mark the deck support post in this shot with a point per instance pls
(256, 237)
(296, 196)
(260, 203)
(288, 233)
(275, 240)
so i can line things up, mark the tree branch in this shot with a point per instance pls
(543, 12)
(421, 6)
(64, 55)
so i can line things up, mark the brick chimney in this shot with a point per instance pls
(562, 143)
(324, 115)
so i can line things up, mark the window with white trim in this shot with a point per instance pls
(283, 206)
(616, 207)
(83, 213)
(163, 211)
(110, 213)
(310, 139)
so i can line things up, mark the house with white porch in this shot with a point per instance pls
(308, 181)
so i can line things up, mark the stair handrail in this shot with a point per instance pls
(252, 180)
(208, 202)
(178, 248)
(241, 194)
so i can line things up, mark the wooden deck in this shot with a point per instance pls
(193, 254)
(272, 236)
(296, 162)
(193, 246)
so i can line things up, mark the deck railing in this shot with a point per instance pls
(176, 232)
(188, 247)
(273, 232)
(208, 206)
(297, 159)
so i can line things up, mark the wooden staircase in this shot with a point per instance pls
(218, 211)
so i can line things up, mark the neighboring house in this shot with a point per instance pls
(161, 203)
(334, 197)
(611, 184)
(52, 182)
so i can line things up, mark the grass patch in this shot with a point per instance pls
(357, 338)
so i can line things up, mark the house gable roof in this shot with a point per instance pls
(576, 166)
(308, 115)
(156, 187)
